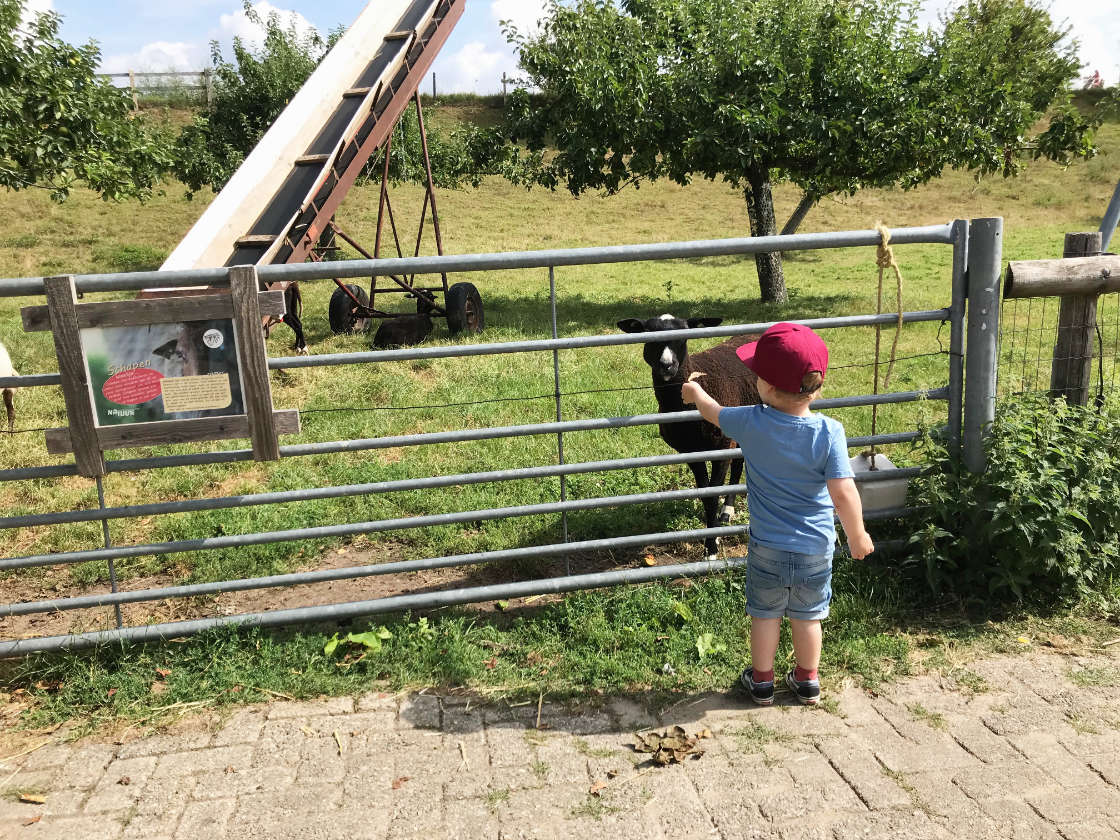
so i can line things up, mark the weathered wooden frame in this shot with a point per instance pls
(244, 304)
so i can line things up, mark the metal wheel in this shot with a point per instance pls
(464, 309)
(342, 313)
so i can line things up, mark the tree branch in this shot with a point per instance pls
(808, 201)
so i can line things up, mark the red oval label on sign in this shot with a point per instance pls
(132, 387)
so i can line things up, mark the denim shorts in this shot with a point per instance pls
(787, 583)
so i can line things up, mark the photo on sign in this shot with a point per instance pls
(155, 372)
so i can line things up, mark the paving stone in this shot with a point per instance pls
(1108, 766)
(212, 759)
(311, 708)
(917, 758)
(939, 796)
(1076, 805)
(973, 736)
(121, 785)
(218, 784)
(158, 744)
(908, 723)
(470, 819)
(421, 711)
(243, 727)
(52, 755)
(85, 767)
(151, 826)
(204, 819)
(101, 827)
(1095, 830)
(857, 765)
(1045, 752)
(377, 701)
(632, 715)
(417, 811)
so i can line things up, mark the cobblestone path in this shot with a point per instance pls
(1020, 747)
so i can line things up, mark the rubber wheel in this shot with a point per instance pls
(341, 312)
(464, 309)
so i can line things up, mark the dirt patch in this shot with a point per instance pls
(51, 586)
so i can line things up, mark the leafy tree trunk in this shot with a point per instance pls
(760, 211)
(808, 202)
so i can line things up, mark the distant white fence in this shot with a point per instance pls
(188, 82)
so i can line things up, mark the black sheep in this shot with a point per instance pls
(728, 381)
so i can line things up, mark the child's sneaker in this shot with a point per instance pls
(807, 692)
(761, 692)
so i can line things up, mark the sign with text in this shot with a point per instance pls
(154, 372)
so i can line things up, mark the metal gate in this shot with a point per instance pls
(975, 272)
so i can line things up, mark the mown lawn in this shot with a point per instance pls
(613, 641)
(86, 235)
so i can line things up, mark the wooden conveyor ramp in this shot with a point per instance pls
(283, 196)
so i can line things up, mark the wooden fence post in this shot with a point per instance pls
(1072, 367)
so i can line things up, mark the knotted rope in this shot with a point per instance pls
(885, 259)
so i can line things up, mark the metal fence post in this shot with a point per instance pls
(559, 408)
(985, 253)
(956, 334)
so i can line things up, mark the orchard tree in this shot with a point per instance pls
(250, 92)
(831, 95)
(61, 125)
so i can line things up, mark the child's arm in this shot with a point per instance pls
(845, 497)
(709, 408)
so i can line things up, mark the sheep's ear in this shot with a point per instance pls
(693, 323)
(631, 325)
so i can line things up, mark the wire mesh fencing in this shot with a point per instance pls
(1037, 355)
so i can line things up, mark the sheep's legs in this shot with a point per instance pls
(10, 407)
(729, 503)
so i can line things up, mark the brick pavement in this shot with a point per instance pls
(927, 758)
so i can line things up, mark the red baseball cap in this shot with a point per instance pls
(784, 354)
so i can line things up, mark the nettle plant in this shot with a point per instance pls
(1042, 523)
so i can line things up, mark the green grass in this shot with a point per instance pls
(1102, 677)
(615, 641)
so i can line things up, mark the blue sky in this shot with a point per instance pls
(142, 35)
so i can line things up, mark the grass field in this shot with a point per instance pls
(614, 641)
(86, 235)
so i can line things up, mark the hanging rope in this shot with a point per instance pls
(885, 259)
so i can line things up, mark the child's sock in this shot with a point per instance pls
(803, 674)
(763, 676)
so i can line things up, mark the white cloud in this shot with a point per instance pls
(34, 8)
(159, 57)
(238, 25)
(523, 14)
(474, 68)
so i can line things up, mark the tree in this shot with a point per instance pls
(832, 95)
(61, 125)
(250, 92)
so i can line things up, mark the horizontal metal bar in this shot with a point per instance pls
(33, 380)
(36, 473)
(355, 572)
(358, 609)
(325, 531)
(403, 485)
(939, 234)
(380, 606)
(449, 351)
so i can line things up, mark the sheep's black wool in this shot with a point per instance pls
(726, 379)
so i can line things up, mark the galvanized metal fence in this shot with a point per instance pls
(974, 269)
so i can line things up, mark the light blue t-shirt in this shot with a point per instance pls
(788, 460)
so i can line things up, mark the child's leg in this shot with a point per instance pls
(764, 642)
(806, 642)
